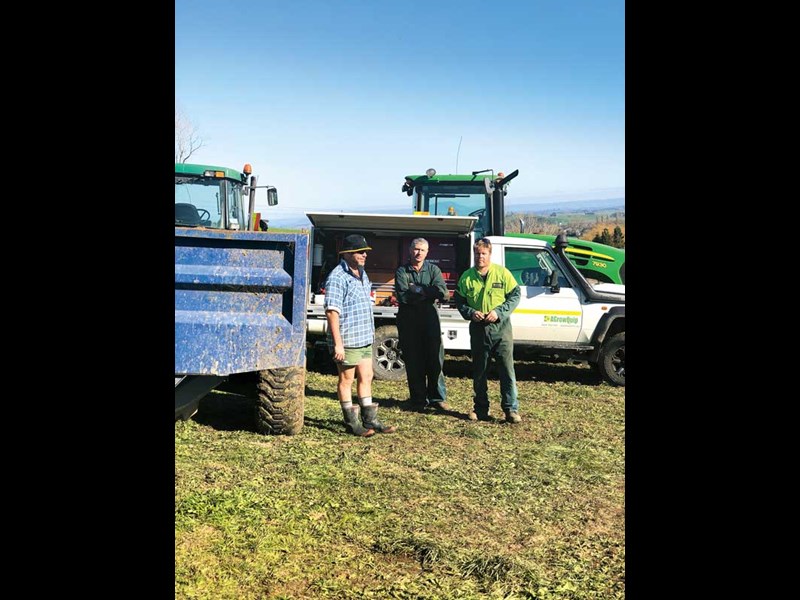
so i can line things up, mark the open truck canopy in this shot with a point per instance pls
(407, 224)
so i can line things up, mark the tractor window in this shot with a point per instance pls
(235, 208)
(482, 224)
(458, 200)
(454, 199)
(208, 197)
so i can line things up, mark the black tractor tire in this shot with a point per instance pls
(387, 359)
(612, 360)
(280, 402)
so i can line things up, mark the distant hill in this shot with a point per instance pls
(297, 219)
(520, 205)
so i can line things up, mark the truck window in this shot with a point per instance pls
(533, 267)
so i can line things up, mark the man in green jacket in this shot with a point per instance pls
(486, 296)
(418, 284)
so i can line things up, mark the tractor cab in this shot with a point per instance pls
(479, 194)
(218, 198)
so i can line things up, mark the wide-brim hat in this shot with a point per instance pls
(354, 243)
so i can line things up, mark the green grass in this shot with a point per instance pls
(444, 508)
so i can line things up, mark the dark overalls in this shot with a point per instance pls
(420, 331)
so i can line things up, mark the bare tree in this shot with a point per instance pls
(187, 138)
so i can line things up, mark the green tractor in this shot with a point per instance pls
(214, 198)
(481, 194)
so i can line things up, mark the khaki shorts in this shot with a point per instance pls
(353, 356)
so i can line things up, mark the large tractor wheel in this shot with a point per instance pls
(387, 359)
(612, 360)
(280, 401)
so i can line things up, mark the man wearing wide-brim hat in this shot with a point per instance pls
(351, 330)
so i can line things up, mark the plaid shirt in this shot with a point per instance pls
(350, 297)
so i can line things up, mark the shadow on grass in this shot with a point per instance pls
(227, 412)
(527, 370)
(385, 402)
(229, 408)
(556, 372)
(330, 425)
(235, 412)
(459, 364)
(391, 402)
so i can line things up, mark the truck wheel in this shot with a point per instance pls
(387, 360)
(281, 396)
(612, 360)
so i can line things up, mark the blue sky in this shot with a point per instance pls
(315, 94)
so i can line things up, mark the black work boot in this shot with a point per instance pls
(370, 417)
(353, 421)
(416, 405)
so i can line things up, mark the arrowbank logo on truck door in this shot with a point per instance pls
(554, 318)
(557, 320)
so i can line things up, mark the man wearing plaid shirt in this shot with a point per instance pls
(351, 329)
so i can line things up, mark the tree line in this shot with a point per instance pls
(595, 230)
(616, 239)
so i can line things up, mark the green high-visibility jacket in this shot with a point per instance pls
(499, 292)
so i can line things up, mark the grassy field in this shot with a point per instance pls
(444, 508)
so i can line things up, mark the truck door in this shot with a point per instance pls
(542, 315)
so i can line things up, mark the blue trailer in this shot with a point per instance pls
(240, 305)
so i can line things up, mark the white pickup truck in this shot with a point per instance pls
(560, 314)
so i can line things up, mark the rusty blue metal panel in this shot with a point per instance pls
(240, 301)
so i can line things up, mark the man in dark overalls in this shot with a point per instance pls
(418, 284)
(486, 295)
